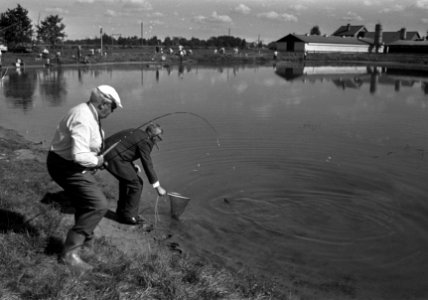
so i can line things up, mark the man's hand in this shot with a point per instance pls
(161, 191)
(137, 168)
(100, 161)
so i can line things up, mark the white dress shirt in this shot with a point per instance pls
(78, 136)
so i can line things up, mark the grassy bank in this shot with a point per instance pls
(32, 232)
(263, 56)
(144, 55)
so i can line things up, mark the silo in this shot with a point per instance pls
(378, 37)
(403, 33)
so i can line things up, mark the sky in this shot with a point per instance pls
(253, 20)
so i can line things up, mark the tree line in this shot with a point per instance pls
(17, 30)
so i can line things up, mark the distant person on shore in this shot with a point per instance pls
(76, 148)
(58, 58)
(79, 53)
(19, 63)
(181, 55)
(45, 56)
(135, 144)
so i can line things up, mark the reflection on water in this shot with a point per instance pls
(53, 85)
(319, 179)
(355, 77)
(18, 88)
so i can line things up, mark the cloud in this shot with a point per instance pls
(214, 18)
(395, 8)
(128, 4)
(424, 20)
(373, 2)
(140, 5)
(298, 7)
(56, 10)
(423, 4)
(158, 15)
(272, 15)
(351, 16)
(242, 9)
(138, 2)
(199, 19)
(220, 18)
(111, 13)
(157, 22)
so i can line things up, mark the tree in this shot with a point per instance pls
(167, 42)
(51, 30)
(315, 30)
(16, 26)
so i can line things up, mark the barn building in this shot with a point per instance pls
(322, 44)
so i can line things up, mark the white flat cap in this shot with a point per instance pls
(109, 94)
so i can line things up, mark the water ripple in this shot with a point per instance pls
(332, 213)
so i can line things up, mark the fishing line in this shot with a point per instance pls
(157, 218)
(7, 68)
(160, 117)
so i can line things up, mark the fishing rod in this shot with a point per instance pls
(183, 112)
(151, 121)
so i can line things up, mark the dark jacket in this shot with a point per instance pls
(134, 144)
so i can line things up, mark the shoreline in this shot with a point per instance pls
(205, 57)
(121, 247)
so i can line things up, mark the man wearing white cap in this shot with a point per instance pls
(76, 147)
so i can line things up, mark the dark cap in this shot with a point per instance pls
(154, 130)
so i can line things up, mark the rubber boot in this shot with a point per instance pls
(87, 248)
(70, 253)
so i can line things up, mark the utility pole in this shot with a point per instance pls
(141, 33)
(101, 39)
(38, 24)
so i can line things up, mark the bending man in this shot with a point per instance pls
(134, 144)
(76, 147)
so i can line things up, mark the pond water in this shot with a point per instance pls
(319, 178)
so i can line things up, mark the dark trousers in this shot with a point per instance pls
(87, 197)
(130, 187)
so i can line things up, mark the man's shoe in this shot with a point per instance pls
(130, 220)
(73, 260)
